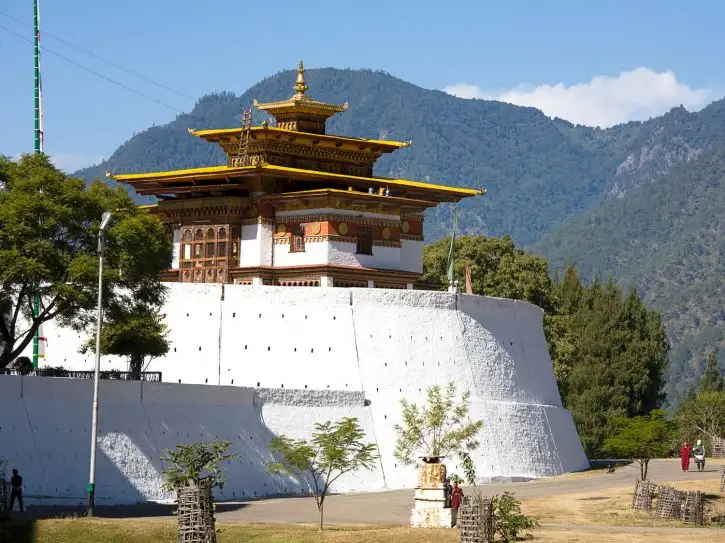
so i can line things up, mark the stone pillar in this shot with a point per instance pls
(410, 286)
(326, 281)
(371, 283)
(257, 281)
(430, 509)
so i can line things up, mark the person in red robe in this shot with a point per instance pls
(456, 496)
(685, 456)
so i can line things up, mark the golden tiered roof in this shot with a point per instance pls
(293, 157)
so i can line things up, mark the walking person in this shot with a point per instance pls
(685, 456)
(456, 500)
(699, 453)
(16, 491)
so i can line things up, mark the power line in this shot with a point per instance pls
(94, 72)
(109, 62)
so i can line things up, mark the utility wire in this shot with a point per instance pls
(97, 57)
(90, 70)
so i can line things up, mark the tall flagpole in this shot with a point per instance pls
(38, 142)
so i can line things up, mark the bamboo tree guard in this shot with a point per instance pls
(195, 512)
(722, 481)
(475, 520)
(718, 447)
(669, 503)
(4, 497)
(644, 491)
(693, 508)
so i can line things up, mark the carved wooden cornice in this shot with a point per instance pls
(412, 237)
(328, 217)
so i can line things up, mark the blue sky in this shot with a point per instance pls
(596, 63)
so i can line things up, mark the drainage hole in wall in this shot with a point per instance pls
(305, 386)
(245, 347)
(179, 380)
(206, 380)
(400, 389)
(333, 318)
(200, 347)
(257, 384)
(282, 386)
(406, 363)
(377, 390)
(328, 386)
(283, 315)
(423, 364)
(305, 317)
(385, 417)
(210, 314)
(390, 337)
(187, 314)
(174, 349)
(386, 364)
(260, 315)
(268, 347)
(232, 381)
(234, 315)
(295, 349)
(312, 350)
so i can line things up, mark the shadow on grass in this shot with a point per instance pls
(145, 510)
(17, 531)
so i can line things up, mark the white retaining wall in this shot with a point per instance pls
(45, 433)
(386, 344)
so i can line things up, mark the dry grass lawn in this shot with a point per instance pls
(610, 507)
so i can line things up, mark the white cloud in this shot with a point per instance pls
(604, 101)
(71, 162)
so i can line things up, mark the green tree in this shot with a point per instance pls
(712, 379)
(48, 248)
(622, 352)
(640, 439)
(192, 462)
(137, 332)
(440, 428)
(498, 268)
(703, 414)
(334, 450)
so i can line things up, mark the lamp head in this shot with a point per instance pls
(105, 219)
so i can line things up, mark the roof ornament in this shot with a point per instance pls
(300, 86)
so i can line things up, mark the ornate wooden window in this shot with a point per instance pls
(205, 254)
(297, 240)
(364, 241)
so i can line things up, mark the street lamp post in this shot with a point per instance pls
(99, 319)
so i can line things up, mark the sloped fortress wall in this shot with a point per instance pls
(45, 433)
(384, 344)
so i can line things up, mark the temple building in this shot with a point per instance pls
(294, 206)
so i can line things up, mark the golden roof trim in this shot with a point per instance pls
(213, 134)
(226, 171)
(340, 193)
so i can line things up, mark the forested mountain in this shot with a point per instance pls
(541, 175)
(668, 240)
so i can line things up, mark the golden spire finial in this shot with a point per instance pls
(300, 85)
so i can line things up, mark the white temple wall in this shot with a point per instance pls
(255, 245)
(387, 344)
(176, 249)
(411, 255)
(315, 253)
(344, 254)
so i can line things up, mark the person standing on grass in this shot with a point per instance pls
(685, 456)
(699, 453)
(16, 491)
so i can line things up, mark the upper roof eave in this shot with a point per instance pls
(215, 134)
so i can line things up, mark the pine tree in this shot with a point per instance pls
(712, 379)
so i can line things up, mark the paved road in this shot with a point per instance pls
(393, 507)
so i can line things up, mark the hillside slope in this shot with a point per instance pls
(537, 171)
(668, 240)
